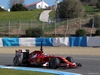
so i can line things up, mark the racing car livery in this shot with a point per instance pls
(39, 58)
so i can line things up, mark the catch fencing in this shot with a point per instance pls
(60, 28)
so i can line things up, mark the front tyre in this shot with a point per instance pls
(70, 59)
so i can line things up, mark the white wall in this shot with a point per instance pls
(27, 41)
(93, 41)
(1, 43)
(61, 41)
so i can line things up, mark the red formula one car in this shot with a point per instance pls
(39, 58)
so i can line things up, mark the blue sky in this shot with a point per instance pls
(6, 2)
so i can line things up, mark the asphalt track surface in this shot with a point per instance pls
(90, 64)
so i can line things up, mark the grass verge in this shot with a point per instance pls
(18, 72)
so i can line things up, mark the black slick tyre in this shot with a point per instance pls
(70, 59)
(17, 61)
(54, 63)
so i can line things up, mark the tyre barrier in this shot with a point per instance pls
(64, 41)
(39, 70)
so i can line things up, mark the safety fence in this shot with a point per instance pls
(61, 28)
(68, 41)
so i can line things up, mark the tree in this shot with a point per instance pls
(18, 7)
(98, 5)
(90, 2)
(13, 2)
(93, 2)
(70, 9)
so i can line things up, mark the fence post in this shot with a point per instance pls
(9, 27)
(92, 28)
(66, 31)
(43, 28)
(80, 22)
(55, 27)
(19, 28)
(43, 25)
(31, 23)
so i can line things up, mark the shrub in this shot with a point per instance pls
(81, 32)
(97, 32)
(18, 7)
(34, 32)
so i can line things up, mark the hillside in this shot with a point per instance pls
(22, 15)
(15, 23)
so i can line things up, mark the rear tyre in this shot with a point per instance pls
(17, 61)
(70, 59)
(54, 63)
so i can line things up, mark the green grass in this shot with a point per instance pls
(91, 9)
(52, 15)
(22, 15)
(18, 72)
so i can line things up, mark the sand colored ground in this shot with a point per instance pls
(56, 50)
